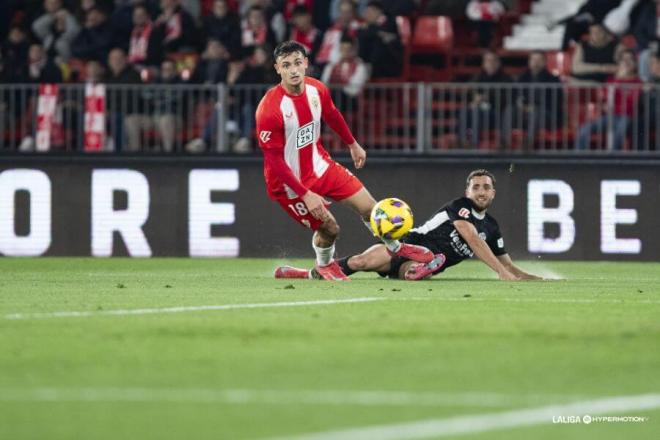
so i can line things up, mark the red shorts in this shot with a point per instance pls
(336, 183)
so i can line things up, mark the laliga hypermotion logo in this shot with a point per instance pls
(265, 136)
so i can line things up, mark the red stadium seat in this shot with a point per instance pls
(433, 34)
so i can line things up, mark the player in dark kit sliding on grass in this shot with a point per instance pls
(459, 230)
(300, 173)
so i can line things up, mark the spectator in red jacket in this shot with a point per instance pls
(174, 29)
(350, 72)
(256, 31)
(139, 47)
(347, 24)
(624, 89)
(304, 32)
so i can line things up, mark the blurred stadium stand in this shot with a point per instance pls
(419, 111)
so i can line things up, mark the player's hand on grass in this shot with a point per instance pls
(505, 275)
(358, 155)
(316, 205)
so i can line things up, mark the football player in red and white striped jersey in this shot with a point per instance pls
(299, 172)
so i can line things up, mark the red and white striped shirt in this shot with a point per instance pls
(289, 131)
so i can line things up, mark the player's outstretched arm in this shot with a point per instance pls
(482, 251)
(508, 263)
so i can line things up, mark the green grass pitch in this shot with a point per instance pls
(463, 344)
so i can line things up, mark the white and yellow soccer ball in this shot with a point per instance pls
(391, 219)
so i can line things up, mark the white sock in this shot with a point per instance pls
(324, 256)
(392, 245)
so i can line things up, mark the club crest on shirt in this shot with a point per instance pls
(265, 136)
(464, 212)
(305, 135)
(315, 103)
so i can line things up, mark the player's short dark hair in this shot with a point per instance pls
(286, 48)
(477, 173)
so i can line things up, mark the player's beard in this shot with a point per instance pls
(482, 205)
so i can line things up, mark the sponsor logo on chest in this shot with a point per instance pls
(305, 135)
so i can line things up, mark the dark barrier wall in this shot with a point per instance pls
(559, 209)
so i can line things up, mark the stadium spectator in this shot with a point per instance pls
(644, 27)
(174, 30)
(123, 102)
(485, 14)
(94, 72)
(622, 104)
(95, 40)
(347, 23)
(255, 30)
(140, 48)
(304, 32)
(461, 229)
(648, 115)
(13, 68)
(379, 42)
(299, 172)
(166, 106)
(258, 69)
(15, 54)
(538, 103)
(213, 66)
(224, 26)
(122, 19)
(351, 73)
(56, 29)
(595, 59)
(273, 15)
(290, 7)
(40, 68)
(591, 12)
(486, 105)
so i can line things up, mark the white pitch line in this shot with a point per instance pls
(488, 422)
(532, 300)
(278, 397)
(184, 309)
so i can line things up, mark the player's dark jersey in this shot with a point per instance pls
(440, 236)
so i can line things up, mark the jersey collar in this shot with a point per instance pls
(477, 215)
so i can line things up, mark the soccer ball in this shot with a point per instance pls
(391, 219)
